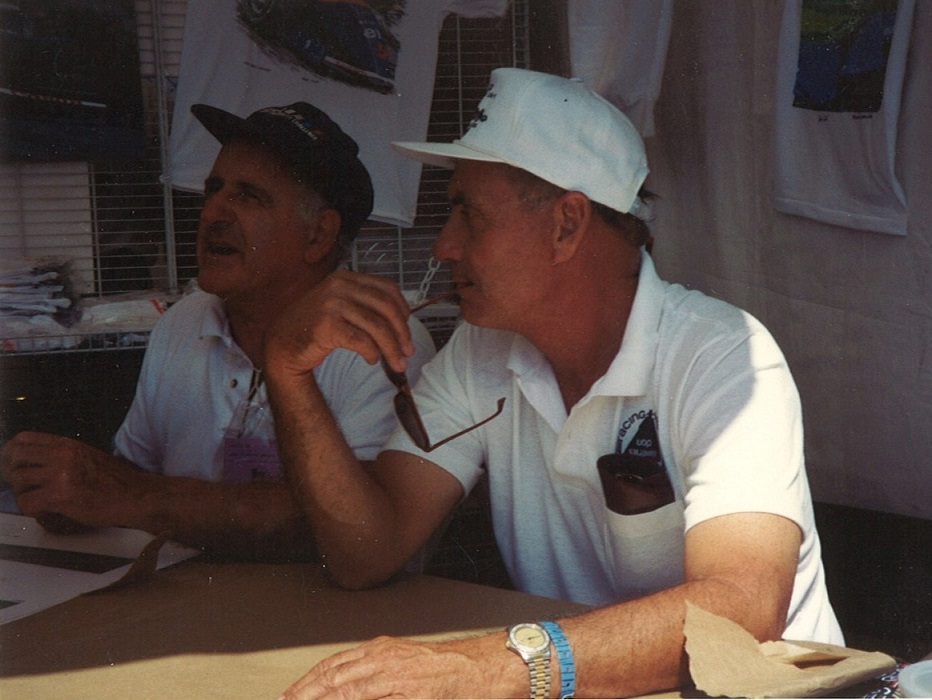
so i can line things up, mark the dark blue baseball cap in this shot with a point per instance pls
(320, 152)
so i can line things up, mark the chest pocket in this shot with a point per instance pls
(646, 550)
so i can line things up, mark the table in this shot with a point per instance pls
(202, 630)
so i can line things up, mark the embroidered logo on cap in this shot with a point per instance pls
(299, 120)
(481, 115)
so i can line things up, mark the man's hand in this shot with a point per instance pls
(388, 667)
(362, 313)
(63, 482)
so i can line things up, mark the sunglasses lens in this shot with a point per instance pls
(408, 417)
(399, 379)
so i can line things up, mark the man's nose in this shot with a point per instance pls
(216, 207)
(447, 246)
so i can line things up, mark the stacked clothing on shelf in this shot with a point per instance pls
(40, 313)
(31, 289)
(37, 303)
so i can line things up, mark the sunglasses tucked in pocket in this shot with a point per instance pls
(633, 485)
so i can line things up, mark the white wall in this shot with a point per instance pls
(852, 310)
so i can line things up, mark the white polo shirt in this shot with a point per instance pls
(728, 422)
(194, 376)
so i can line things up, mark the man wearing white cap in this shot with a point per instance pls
(643, 443)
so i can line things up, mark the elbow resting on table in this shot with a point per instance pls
(355, 577)
(354, 582)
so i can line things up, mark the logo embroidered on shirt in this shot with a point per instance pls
(643, 443)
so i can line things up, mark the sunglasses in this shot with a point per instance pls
(406, 410)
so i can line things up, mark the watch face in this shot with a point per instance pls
(529, 637)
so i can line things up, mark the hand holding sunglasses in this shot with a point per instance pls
(406, 409)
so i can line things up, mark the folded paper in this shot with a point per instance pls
(725, 660)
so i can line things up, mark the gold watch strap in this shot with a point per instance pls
(539, 669)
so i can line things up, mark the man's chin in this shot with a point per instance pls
(212, 284)
(469, 314)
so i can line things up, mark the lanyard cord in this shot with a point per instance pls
(255, 381)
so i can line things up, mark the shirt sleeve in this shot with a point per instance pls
(740, 431)
(447, 406)
(135, 439)
(360, 396)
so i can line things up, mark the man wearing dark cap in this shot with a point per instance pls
(642, 442)
(196, 455)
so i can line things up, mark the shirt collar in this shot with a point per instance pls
(215, 323)
(630, 371)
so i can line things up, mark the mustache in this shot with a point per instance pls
(215, 228)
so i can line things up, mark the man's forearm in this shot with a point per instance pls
(630, 649)
(636, 648)
(740, 566)
(64, 482)
(351, 516)
(258, 520)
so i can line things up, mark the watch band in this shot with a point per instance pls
(540, 678)
(565, 657)
(531, 642)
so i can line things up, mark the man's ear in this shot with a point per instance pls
(322, 235)
(572, 213)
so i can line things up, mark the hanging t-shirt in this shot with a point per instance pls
(369, 65)
(619, 49)
(841, 72)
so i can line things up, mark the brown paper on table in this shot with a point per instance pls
(725, 660)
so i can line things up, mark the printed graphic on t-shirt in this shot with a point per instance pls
(637, 438)
(346, 40)
(843, 50)
(634, 478)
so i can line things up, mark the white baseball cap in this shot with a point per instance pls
(555, 128)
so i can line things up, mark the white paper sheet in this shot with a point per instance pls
(39, 569)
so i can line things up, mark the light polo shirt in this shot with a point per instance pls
(727, 419)
(194, 376)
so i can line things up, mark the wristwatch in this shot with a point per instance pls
(531, 642)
